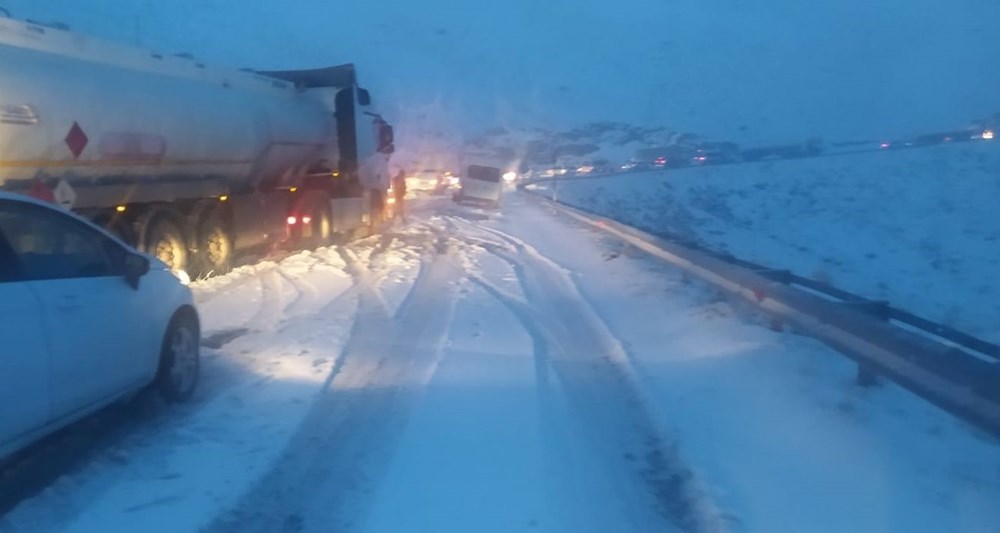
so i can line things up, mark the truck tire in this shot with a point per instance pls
(180, 359)
(165, 241)
(214, 245)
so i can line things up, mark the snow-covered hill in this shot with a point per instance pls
(769, 70)
(917, 227)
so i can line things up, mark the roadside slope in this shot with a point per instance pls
(916, 227)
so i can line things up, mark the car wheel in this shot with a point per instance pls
(179, 359)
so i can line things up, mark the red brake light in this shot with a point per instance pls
(292, 221)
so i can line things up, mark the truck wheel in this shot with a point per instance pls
(180, 359)
(215, 247)
(165, 241)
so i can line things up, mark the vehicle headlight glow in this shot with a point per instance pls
(182, 276)
(509, 176)
(988, 135)
(453, 180)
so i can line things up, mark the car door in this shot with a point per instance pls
(98, 330)
(24, 362)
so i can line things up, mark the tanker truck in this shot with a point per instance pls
(187, 162)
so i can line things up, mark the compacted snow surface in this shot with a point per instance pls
(515, 371)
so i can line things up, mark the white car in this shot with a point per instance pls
(85, 321)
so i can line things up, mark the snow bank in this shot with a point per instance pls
(919, 227)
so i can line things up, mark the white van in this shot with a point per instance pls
(480, 185)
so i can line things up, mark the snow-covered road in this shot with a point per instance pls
(515, 371)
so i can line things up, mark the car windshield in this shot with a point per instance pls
(513, 266)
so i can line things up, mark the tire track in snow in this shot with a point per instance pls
(330, 467)
(365, 281)
(272, 302)
(596, 374)
(307, 296)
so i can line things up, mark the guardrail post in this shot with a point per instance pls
(867, 376)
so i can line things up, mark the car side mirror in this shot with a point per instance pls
(136, 266)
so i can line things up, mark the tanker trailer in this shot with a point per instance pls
(190, 163)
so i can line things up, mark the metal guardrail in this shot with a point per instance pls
(954, 370)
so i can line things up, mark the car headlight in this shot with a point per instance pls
(509, 176)
(182, 276)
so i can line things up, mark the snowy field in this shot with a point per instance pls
(918, 227)
(516, 371)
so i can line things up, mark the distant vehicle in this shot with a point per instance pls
(87, 321)
(431, 180)
(944, 137)
(600, 166)
(673, 156)
(481, 185)
(551, 172)
(716, 153)
(633, 165)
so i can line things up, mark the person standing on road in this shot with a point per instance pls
(399, 193)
